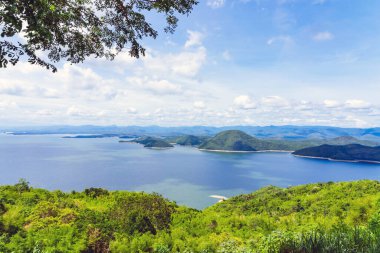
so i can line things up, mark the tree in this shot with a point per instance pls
(74, 30)
(22, 185)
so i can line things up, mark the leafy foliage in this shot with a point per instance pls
(323, 217)
(76, 29)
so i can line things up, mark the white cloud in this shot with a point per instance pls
(286, 40)
(323, 36)
(186, 63)
(331, 103)
(195, 39)
(274, 101)
(160, 87)
(215, 3)
(199, 105)
(163, 87)
(355, 121)
(75, 111)
(11, 89)
(244, 102)
(131, 110)
(357, 104)
(7, 104)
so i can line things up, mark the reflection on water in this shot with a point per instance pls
(183, 174)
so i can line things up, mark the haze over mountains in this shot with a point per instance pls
(269, 132)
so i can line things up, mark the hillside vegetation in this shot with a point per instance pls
(187, 140)
(322, 217)
(352, 152)
(151, 142)
(235, 140)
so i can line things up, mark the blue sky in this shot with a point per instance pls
(231, 62)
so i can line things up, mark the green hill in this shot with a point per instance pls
(187, 140)
(152, 142)
(235, 140)
(352, 152)
(321, 217)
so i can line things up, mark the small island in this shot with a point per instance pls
(151, 142)
(187, 140)
(347, 153)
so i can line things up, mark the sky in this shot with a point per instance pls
(230, 62)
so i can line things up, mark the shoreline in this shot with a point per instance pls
(234, 151)
(159, 148)
(336, 160)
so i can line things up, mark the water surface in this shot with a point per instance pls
(183, 174)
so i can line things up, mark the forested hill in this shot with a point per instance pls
(325, 217)
(235, 140)
(352, 152)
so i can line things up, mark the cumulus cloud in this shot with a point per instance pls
(274, 101)
(357, 122)
(199, 105)
(11, 89)
(186, 63)
(331, 103)
(158, 86)
(357, 104)
(195, 39)
(7, 104)
(75, 111)
(214, 4)
(323, 36)
(244, 102)
(131, 110)
(164, 87)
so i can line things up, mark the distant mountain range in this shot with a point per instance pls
(266, 132)
(352, 152)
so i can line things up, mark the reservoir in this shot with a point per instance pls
(182, 174)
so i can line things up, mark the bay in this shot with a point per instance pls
(183, 174)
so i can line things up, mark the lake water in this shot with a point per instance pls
(183, 174)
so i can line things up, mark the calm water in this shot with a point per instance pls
(183, 174)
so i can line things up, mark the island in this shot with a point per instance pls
(151, 142)
(187, 140)
(348, 153)
(239, 141)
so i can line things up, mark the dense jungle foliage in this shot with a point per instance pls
(322, 217)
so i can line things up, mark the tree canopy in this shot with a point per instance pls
(323, 217)
(47, 31)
